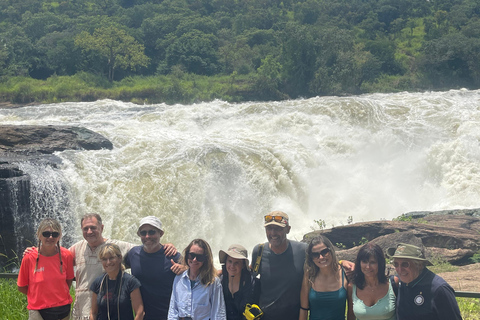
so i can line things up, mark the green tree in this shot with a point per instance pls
(196, 51)
(116, 46)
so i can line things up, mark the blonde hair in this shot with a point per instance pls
(56, 227)
(111, 249)
(207, 270)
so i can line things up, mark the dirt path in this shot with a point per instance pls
(466, 278)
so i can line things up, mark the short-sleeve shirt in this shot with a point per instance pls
(88, 269)
(153, 272)
(281, 278)
(47, 287)
(108, 301)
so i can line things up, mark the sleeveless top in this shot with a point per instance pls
(328, 305)
(384, 309)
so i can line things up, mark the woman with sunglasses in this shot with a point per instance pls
(238, 283)
(371, 295)
(46, 274)
(115, 294)
(155, 270)
(197, 292)
(324, 287)
(422, 295)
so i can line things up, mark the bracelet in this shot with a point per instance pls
(306, 309)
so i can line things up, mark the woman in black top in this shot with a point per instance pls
(238, 282)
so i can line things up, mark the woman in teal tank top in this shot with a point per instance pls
(324, 287)
(371, 295)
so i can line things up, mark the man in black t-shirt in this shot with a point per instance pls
(280, 269)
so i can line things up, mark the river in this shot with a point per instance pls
(212, 170)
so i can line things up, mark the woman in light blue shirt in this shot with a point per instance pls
(197, 292)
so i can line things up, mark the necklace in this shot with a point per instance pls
(118, 296)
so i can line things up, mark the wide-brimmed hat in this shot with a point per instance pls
(407, 251)
(281, 221)
(235, 251)
(151, 220)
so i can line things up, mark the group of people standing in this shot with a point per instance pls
(285, 280)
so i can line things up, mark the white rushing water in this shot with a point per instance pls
(212, 170)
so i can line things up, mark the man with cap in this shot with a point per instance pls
(88, 267)
(280, 266)
(422, 295)
(150, 265)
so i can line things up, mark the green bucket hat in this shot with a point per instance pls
(407, 251)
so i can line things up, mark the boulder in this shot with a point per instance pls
(34, 144)
(37, 140)
(451, 236)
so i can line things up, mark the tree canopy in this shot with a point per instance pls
(288, 48)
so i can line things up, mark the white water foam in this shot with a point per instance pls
(212, 170)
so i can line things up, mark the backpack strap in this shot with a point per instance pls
(259, 258)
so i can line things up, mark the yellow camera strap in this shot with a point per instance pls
(259, 259)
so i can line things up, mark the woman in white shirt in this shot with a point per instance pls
(197, 292)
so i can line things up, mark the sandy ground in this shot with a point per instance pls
(466, 278)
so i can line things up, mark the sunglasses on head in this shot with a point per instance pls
(404, 264)
(152, 232)
(279, 219)
(53, 234)
(199, 257)
(316, 255)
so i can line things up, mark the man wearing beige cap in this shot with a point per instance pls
(280, 266)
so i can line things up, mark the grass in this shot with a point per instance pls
(13, 303)
(177, 88)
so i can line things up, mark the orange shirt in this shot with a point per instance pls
(47, 287)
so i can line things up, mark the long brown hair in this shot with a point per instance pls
(207, 270)
(310, 267)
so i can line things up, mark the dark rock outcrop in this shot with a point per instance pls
(33, 144)
(452, 236)
(37, 140)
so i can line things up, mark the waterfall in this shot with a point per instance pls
(212, 170)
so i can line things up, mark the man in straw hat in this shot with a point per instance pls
(422, 295)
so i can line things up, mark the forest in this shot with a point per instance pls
(237, 50)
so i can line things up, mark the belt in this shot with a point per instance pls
(185, 318)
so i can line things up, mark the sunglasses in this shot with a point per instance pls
(279, 219)
(109, 259)
(316, 255)
(93, 228)
(199, 257)
(404, 264)
(53, 234)
(152, 232)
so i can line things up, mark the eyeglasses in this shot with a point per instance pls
(53, 234)
(316, 255)
(93, 228)
(404, 264)
(109, 259)
(199, 257)
(279, 219)
(152, 232)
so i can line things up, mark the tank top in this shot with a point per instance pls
(328, 305)
(384, 309)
